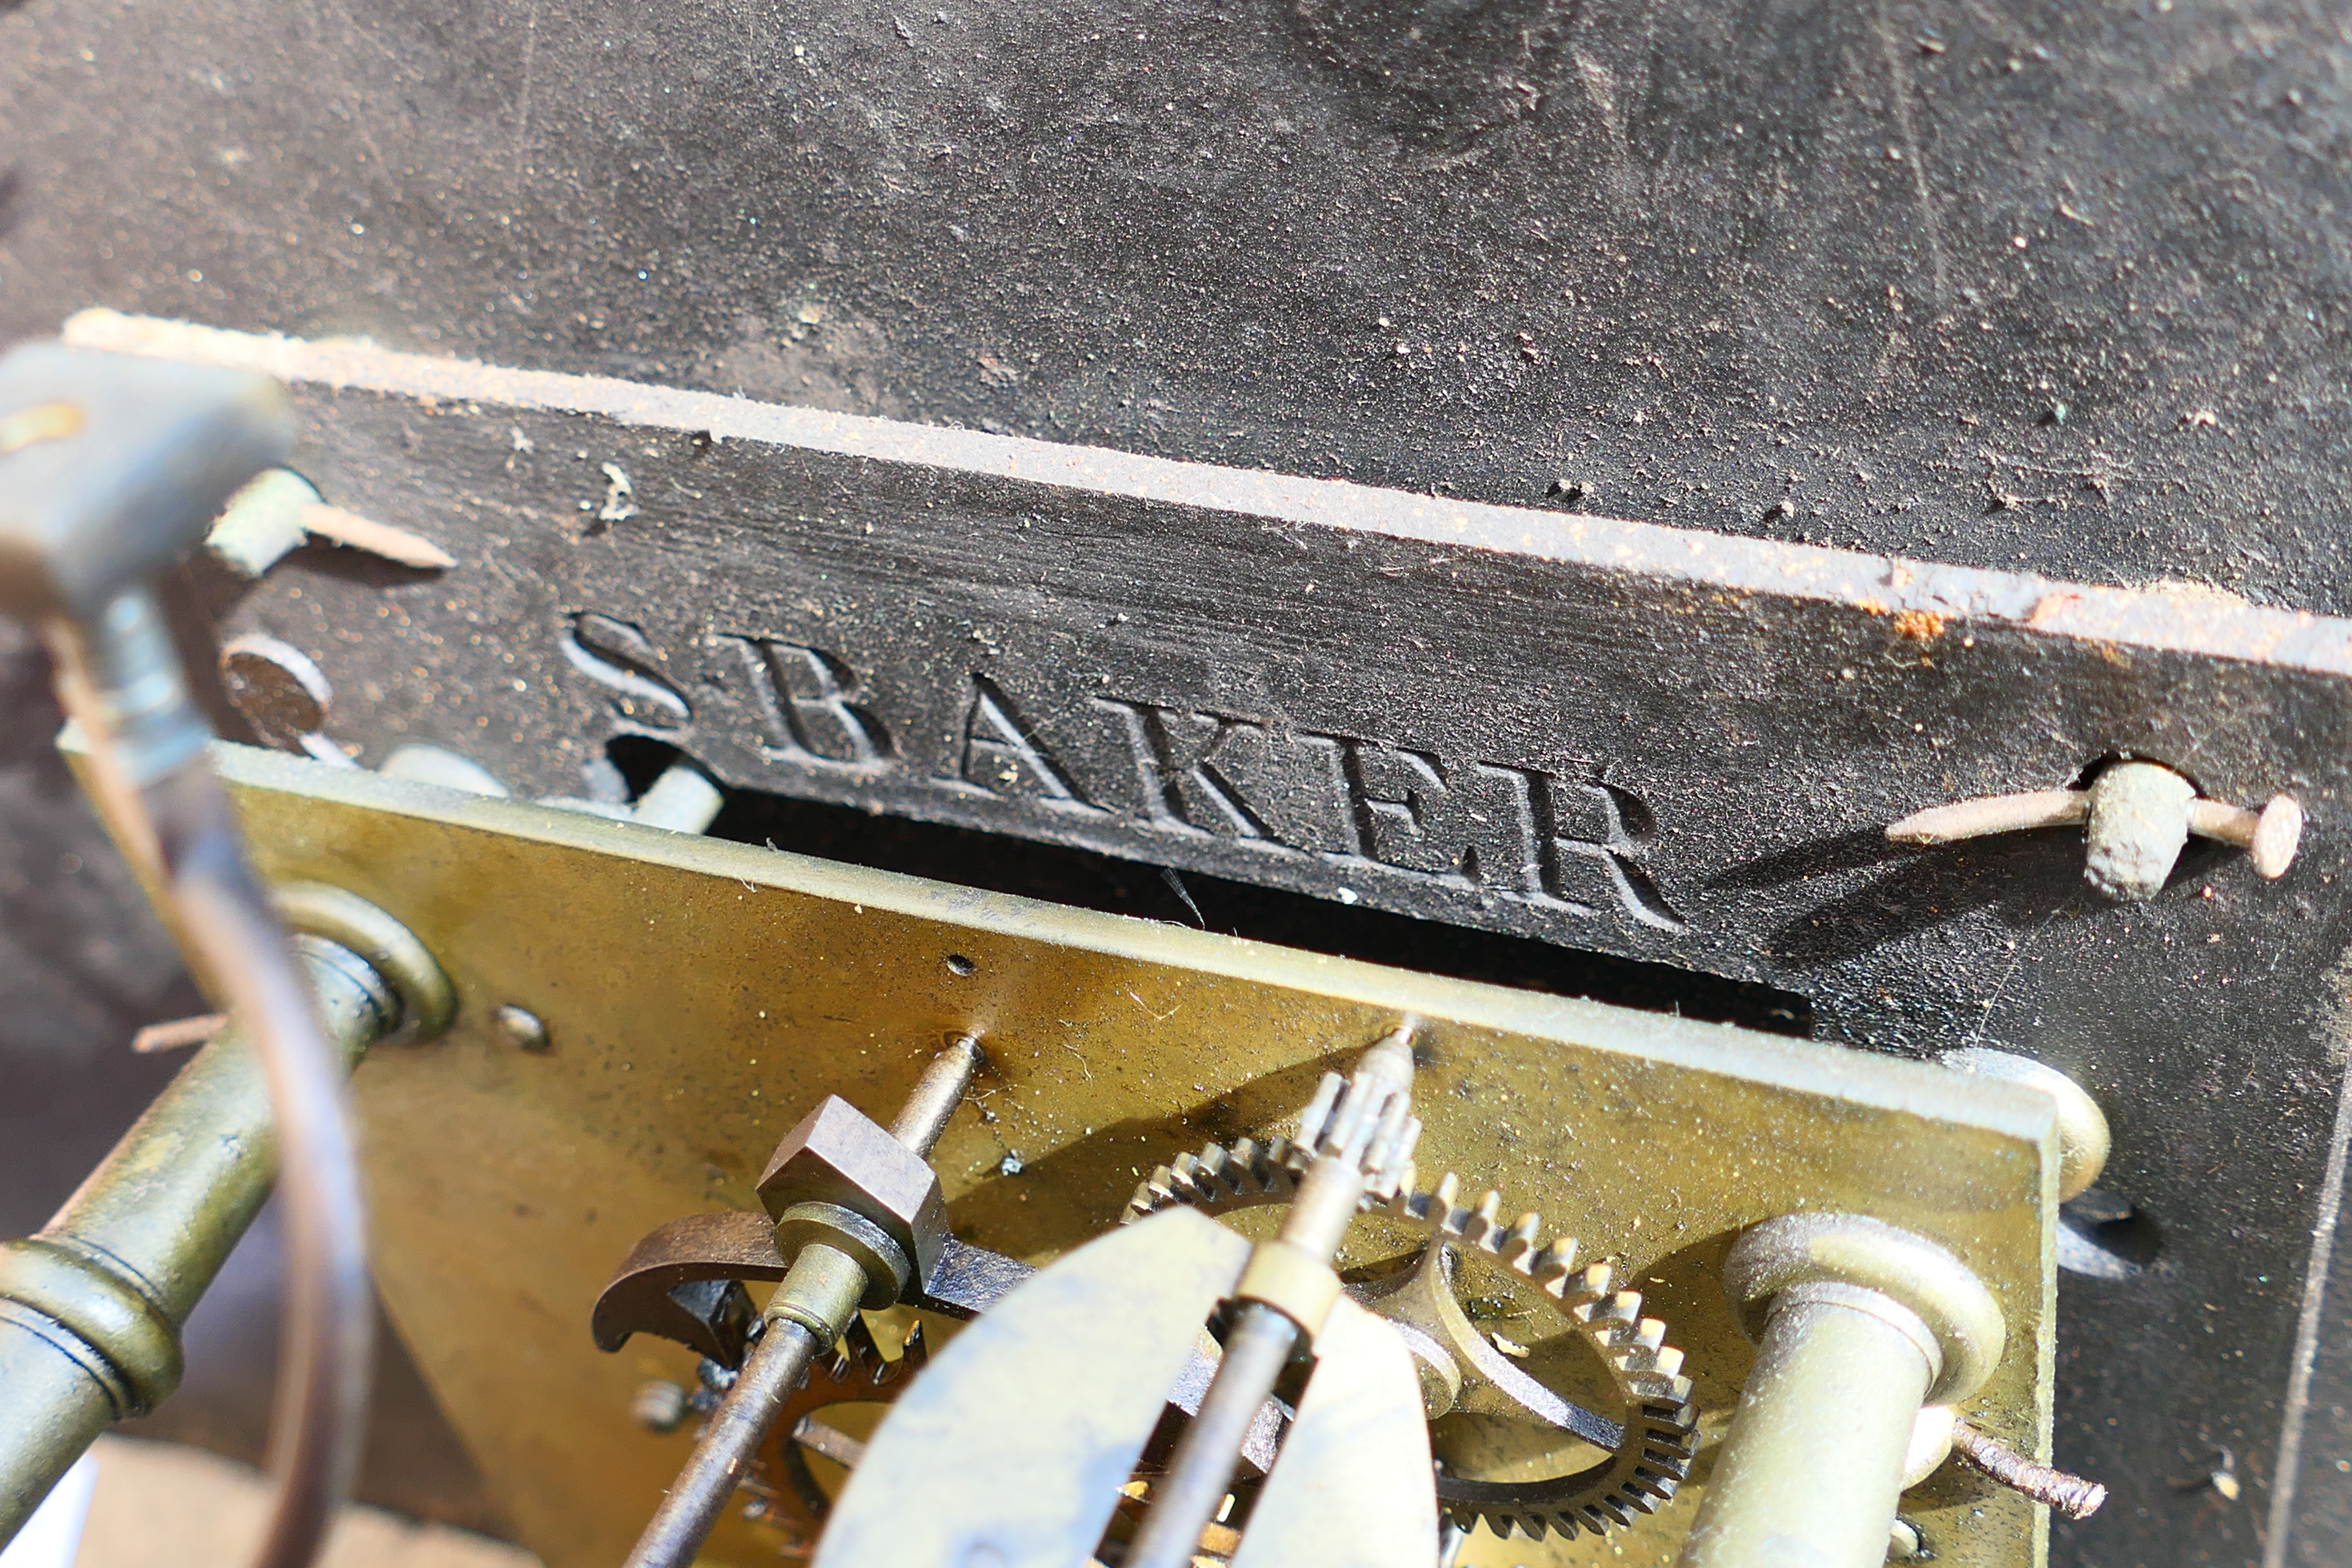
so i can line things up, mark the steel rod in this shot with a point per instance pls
(1200, 1471)
(727, 1448)
(937, 1094)
(1359, 1126)
(823, 1286)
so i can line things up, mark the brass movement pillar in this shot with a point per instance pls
(1858, 1325)
(91, 1308)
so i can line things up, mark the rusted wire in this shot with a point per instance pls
(2071, 1495)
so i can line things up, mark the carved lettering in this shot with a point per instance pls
(1500, 832)
(1603, 834)
(1318, 811)
(1397, 794)
(1474, 823)
(1182, 760)
(619, 657)
(805, 697)
(1238, 778)
(1003, 755)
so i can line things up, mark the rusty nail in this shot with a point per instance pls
(2070, 1495)
(2136, 815)
(178, 1033)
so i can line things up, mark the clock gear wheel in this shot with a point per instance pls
(785, 1490)
(1649, 1453)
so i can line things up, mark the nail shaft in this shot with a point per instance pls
(2070, 1495)
(1991, 814)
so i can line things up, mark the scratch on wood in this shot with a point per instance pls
(2017, 956)
(1900, 83)
(522, 101)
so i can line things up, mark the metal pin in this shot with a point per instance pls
(2138, 826)
(1351, 1124)
(1310, 1121)
(2071, 1495)
(818, 1437)
(521, 1028)
(179, 1033)
(937, 1094)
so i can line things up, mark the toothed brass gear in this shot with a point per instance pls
(1653, 1454)
(855, 1373)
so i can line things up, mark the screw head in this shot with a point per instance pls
(276, 689)
(521, 1028)
(659, 1406)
